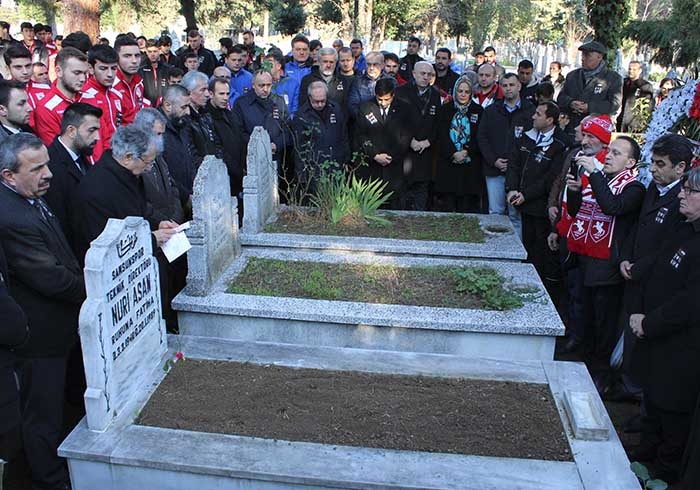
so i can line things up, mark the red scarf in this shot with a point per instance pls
(591, 231)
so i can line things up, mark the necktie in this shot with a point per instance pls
(540, 137)
(80, 165)
(43, 211)
(383, 114)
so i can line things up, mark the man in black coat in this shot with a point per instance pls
(48, 284)
(593, 88)
(227, 141)
(206, 57)
(664, 320)
(14, 332)
(321, 135)
(502, 123)
(154, 73)
(634, 88)
(80, 132)
(115, 188)
(407, 63)
(383, 134)
(537, 160)
(424, 99)
(604, 213)
(338, 87)
(176, 151)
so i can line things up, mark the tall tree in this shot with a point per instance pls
(82, 15)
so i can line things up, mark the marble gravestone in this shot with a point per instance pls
(213, 232)
(122, 331)
(261, 197)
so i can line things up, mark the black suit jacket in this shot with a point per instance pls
(13, 332)
(47, 281)
(64, 186)
(392, 136)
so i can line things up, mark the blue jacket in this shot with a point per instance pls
(361, 91)
(296, 71)
(288, 89)
(250, 111)
(240, 84)
(360, 64)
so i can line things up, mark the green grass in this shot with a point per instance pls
(448, 287)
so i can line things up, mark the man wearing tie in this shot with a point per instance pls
(48, 284)
(80, 130)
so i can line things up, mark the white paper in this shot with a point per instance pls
(178, 243)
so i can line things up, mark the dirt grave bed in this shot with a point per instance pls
(414, 413)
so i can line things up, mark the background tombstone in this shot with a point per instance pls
(260, 195)
(214, 229)
(122, 331)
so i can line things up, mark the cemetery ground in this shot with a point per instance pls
(619, 413)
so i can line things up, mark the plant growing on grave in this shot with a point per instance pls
(487, 284)
(347, 199)
(642, 473)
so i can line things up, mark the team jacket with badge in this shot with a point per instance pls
(35, 94)
(498, 131)
(49, 112)
(241, 83)
(657, 218)
(393, 137)
(406, 65)
(110, 101)
(132, 96)
(250, 111)
(154, 81)
(288, 89)
(669, 351)
(533, 168)
(338, 88)
(603, 93)
(320, 136)
(425, 108)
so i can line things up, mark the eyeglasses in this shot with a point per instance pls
(689, 190)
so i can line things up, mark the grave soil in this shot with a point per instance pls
(369, 283)
(414, 413)
(448, 228)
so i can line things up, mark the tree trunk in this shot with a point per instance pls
(82, 15)
(187, 11)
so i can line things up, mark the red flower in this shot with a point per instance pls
(179, 356)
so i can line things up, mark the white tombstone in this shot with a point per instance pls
(260, 192)
(122, 331)
(214, 230)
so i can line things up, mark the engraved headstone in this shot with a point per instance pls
(260, 193)
(122, 332)
(214, 229)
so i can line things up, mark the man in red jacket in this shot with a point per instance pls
(105, 63)
(128, 82)
(71, 71)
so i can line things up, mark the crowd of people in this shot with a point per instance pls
(92, 131)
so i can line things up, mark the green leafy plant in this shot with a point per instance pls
(488, 285)
(642, 473)
(340, 198)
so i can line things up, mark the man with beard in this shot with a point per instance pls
(490, 59)
(254, 61)
(80, 131)
(593, 88)
(71, 69)
(445, 78)
(176, 108)
(412, 57)
(105, 63)
(14, 109)
(391, 68)
(325, 72)
(128, 82)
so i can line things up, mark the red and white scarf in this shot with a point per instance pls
(591, 231)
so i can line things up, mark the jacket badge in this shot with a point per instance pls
(678, 258)
(661, 215)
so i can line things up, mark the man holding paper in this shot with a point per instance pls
(115, 189)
